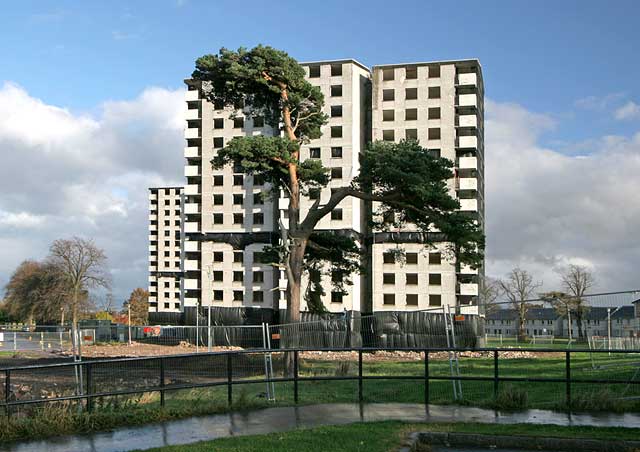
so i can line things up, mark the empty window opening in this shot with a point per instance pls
(435, 300)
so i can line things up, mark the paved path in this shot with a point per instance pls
(289, 418)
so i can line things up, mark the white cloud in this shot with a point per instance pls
(630, 110)
(67, 174)
(597, 103)
(545, 209)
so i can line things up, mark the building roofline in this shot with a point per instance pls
(181, 187)
(343, 60)
(425, 63)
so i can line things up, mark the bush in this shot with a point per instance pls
(597, 400)
(511, 398)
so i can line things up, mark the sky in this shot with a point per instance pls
(91, 105)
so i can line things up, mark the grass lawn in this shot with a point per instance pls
(111, 412)
(384, 436)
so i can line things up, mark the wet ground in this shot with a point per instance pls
(289, 418)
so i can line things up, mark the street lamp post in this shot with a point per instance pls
(210, 276)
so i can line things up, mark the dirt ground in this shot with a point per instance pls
(137, 349)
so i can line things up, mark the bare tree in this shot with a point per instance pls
(576, 282)
(518, 286)
(83, 265)
(489, 293)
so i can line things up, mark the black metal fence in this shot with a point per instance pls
(358, 374)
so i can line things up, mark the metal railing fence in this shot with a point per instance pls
(231, 369)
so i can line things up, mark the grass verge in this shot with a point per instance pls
(109, 413)
(385, 436)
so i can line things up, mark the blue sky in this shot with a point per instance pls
(544, 55)
(91, 114)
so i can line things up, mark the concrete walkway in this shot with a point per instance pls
(289, 418)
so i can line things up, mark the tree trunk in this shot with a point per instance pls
(521, 324)
(579, 325)
(296, 261)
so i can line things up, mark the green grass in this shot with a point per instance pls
(111, 412)
(385, 436)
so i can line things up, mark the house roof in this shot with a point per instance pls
(625, 312)
(594, 313)
(532, 314)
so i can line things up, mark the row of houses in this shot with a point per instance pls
(547, 322)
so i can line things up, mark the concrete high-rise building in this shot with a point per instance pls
(165, 207)
(227, 219)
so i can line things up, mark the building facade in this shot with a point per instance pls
(228, 217)
(165, 234)
(546, 321)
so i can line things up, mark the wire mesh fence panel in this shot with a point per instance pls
(422, 329)
(194, 370)
(604, 367)
(124, 375)
(45, 383)
(324, 364)
(45, 341)
(330, 333)
(243, 336)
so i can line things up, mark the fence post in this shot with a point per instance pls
(229, 380)
(162, 382)
(360, 375)
(15, 341)
(7, 392)
(496, 379)
(568, 378)
(295, 376)
(89, 398)
(426, 377)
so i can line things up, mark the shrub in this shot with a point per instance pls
(511, 398)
